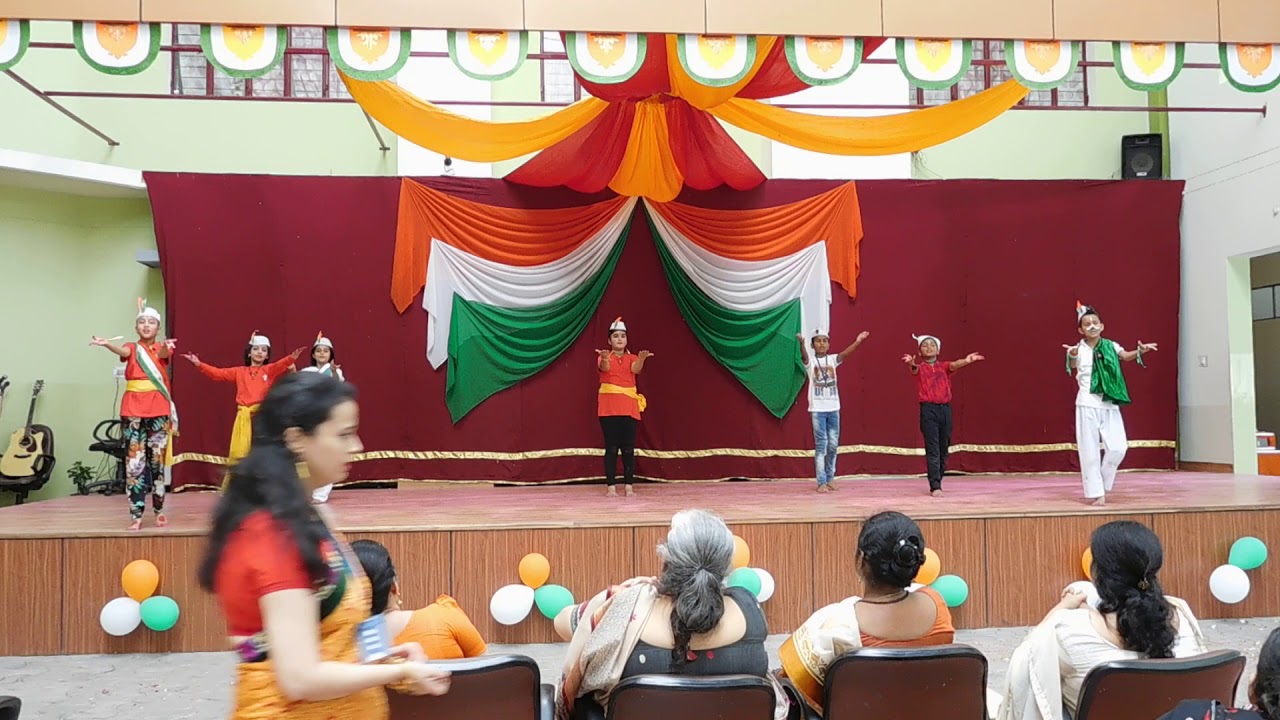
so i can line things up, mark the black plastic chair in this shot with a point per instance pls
(10, 707)
(490, 687)
(1130, 689)
(677, 697)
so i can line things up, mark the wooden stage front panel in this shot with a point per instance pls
(1016, 562)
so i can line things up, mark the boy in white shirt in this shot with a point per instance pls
(1102, 391)
(824, 401)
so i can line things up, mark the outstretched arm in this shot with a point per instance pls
(1073, 355)
(124, 351)
(910, 360)
(211, 372)
(638, 364)
(969, 359)
(1142, 349)
(845, 353)
(804, 351)
(165, 351)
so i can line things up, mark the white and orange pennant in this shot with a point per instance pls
(1147, 67)
(716, 60)
(369, 54)
(1251, 68)
(15, 36)
(244, 51)
(823, 60)
(488, 54)
(1041, 64)
(117, 48)
(934, 64)
(606, 58)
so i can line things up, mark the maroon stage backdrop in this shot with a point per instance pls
(989, 266)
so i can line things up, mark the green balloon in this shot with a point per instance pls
(953, 589)
(747, 579)
(1248, 553)
(551, 599)
(159, 613)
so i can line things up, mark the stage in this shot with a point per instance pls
(1016, 540)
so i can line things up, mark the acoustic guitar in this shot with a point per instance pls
(29, 446)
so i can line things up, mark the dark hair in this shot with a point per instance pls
(892, 547)
(249, 348)
(267, 478)
(1265, 690)
(1088, 310)
(377, 565)
(1126, 559)
(695, 561)
(333, 354)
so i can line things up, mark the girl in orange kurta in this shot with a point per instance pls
(148, 416)
(619, 405)
(252, 383)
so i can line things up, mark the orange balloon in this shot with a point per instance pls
(1086, 562)
(741, 553)
(931, 568)
(140, 579)
(534, 570)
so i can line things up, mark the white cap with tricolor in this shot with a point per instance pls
(145, 311)
(255, 339)
(322, 341)
(921, 338)
(617, 325)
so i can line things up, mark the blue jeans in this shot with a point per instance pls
(826, 443)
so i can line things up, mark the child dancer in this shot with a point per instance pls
(824, 402)
(147, 414)
(1102, 391)
(252, 382)
(324, 360)
(619, 405)
(933, 380)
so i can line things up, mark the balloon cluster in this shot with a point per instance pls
(1229, 583)
(952, 588)
(141, 606)
(756, 581)
(511, 604)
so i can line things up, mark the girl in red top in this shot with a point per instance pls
(933, 381)
(147, 413)
(619, 405)
(291, 590)
(252, 382)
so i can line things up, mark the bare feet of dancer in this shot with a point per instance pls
(612, 492)
(137, 525)
(630, 491)
(824, 488)
(1100, 502)
(161, 520)
(936, 493)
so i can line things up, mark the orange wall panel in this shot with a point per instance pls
(814, 17)
(1137, 20)
(241, 12)
(669, 16)
(1249, 21)
(438, 14)
(101, 10)
(1001, 19)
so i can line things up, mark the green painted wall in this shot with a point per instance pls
(67, 271)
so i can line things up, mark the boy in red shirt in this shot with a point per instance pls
(619, 405)
(933, 382)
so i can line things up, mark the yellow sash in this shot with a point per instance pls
(141, 386)
(611, 389)
(241, 435)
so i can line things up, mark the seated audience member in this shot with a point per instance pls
(442, 629)
(1264, 692)
(1134, 620)
(684, 622)
(890, 553)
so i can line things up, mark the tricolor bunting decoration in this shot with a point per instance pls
(716, 60)
(15, 36)
(369, 54)
(1147, 67)
(488, 54)
(1041, 64)
(1251, 68)
(606, 58)
(117, 48)
(244, 51)
(934, 64)
(823, 60)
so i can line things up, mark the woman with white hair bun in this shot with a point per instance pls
(683, 622)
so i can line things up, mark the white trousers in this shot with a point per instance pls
(1100, 430)
(321, 494)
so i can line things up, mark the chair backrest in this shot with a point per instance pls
(1132, 689)
(490, 687)
(677, 697)
(10, 707)
(941, 681)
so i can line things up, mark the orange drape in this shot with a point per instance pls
(885, 135)
(457, 136)
(512, 236)
(702, 96)
(648, 168)
(770, 233)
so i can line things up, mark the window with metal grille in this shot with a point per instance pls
(305, 71)
(989, 70)
(559, 84)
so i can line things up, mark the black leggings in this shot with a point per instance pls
(935, 425)
(619, 434)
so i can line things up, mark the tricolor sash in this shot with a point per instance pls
(151, 368)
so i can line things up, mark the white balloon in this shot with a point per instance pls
(1086, 588)
(120, 616)
(1229, 584)
(511, 604)
(767, 586)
